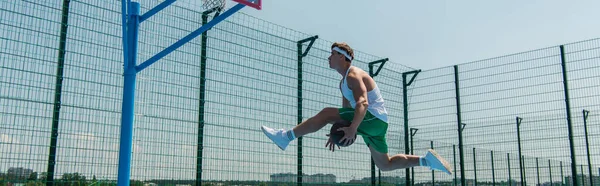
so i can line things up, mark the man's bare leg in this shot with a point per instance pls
(317, 122)
(398, 161)
(402, 161)
(282, 137)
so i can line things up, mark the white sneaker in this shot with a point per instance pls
(278, 136)
(434, 161)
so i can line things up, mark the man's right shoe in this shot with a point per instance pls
(278, 136)
(434, 161)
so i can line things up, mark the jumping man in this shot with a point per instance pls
(363, 105)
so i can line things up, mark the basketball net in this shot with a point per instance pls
(210, 4)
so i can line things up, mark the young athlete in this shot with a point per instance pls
(363, 105)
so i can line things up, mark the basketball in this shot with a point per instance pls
(336, 136)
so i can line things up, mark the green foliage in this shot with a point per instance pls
(72, 179)
(136, 183)
(35, 183)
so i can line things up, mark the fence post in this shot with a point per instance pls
(460, 126)
(475, 166)
(537, 167)
(200, 143)
(519, 143)
(550, 170)
(562, 176)
(568, 107)
(413, 131)
(58, 92)
(509, 175)
(587, 146)
(405, 84)
(379, 177)
(454, 159)
(373, 74)
(493, 171)
(582, 176)
(301, 54)
(432, 172)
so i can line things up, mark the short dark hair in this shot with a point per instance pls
(344, 47)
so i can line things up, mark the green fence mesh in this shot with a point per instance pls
(199, 109)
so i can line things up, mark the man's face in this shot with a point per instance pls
(335, 59)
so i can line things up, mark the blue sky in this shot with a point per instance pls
(432, 34)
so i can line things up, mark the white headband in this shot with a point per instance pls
(342, 52)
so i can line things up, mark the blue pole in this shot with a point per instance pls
(130, 20)
(127, 112)
(156, 9)
(190, 36)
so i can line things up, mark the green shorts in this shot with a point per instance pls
(372, 129)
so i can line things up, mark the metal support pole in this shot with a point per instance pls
(189, 37)
(582, 175)
(301, 54)
(127, 111)
(520, 155)
(475, 166)
(568, 107)
(587, 146)
(202, 101)
(379, 177)
(460, 126)
(131, 20)
(562, 175)
(373, 181)
(509, 175)
(550, 171)
(405, 84)
(432, 172)
(58, 92)
(537, 167)
(373, 74)
(413, 131)
(493, 170)
(454, 159)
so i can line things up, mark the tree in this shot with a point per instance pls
(33, 176)
(136, 183)
(43, 176)
(73, 179)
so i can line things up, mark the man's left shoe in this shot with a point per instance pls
(278, 136)
(434, 161)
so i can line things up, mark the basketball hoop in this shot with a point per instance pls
(220, 4)
(210, 4)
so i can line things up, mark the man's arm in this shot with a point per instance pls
(359, 90)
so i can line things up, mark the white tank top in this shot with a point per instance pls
(376, 105)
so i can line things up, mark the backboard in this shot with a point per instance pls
(257, 4)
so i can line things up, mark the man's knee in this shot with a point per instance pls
(392, 163)
(382, 161)
(329, 114)
(385, 166)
